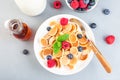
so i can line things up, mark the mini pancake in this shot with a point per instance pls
(47, 51)
(51, 40)
(83, 57)
(72, 38)
(83, 40)
(74, 50)
(41, 54)
(58, 55)
(76, 44)
(47, 36)
(53, 31)
(74, 27)
(67, 28)
(44, 42)
(53, 23)
(57, 63)
(73, 61)
(70, 66)
(64, 60)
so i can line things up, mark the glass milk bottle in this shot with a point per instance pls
(19, 29)
(31, 7)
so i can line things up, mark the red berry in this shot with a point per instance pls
(63, 21)
(57, 4)
(51, 63)
(82, 4)
(110, 39)
(65, 45)
(74, 4)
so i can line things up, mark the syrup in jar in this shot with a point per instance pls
(19, 29)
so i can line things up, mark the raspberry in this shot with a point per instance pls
(65, 45)
(110, 39)
(82, 4)
(57, 4)
(51, 63)
(63, 21)
(74, 4)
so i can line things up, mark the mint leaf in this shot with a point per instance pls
(63, 37)
(56, 47)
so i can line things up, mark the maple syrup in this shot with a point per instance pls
(19, 29)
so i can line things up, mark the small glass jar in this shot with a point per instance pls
(19, 29)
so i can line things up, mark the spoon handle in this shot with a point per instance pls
(102, 60)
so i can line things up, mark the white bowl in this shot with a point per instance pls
(37, 47)
(82, 11)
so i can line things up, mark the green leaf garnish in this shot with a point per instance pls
(63, 37)
(56, 47)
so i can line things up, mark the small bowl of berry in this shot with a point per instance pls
(82, 5)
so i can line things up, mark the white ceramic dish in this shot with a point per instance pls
(37, 47)
(82, 11)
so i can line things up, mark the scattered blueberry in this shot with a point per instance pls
(93, 25)
(48, 28)
(86, 1)
(80, 48)
(106, 11)
(79, 36)
(69, 1)
(49, 57)
(70, 56)
(25, 51)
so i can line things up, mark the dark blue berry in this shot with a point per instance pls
(89, 7)
(106, 11)
(80, 48)
(92, 3)
(70, 56)
(79, 36)
(69, 1)
(93, 25)
(25, 51)
(86, 1)
(48, 28)
(49, 57)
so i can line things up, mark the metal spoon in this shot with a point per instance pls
(98, 54)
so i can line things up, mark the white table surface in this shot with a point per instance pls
(16, 66)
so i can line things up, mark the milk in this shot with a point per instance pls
(31, 7)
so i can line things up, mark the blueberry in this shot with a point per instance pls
(25, 51)
(93, 25)
(106, 11)
(89, 7)
(92, 3)
(69, 1)
(86, 1)
(80, 48)
(48, 28)
(79, 36)
(49, 57)
(70, 56)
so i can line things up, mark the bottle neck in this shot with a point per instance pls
(15, 26)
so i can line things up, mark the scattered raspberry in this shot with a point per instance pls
(57, 4)
(110, 39)
(65, 45)
(82, 4)
(51, 63)
(63, 21)
(74, 4)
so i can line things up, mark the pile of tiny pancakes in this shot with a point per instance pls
(61, 58)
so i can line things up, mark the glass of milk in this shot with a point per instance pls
(31, 7)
